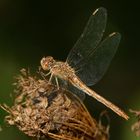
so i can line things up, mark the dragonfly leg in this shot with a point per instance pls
(50, 79)
(57, 83)
(47, 73)
(44, 75)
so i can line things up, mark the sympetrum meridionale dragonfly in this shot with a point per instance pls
(88, 60)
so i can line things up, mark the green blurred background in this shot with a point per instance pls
(32, 29)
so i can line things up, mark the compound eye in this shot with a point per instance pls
(47, 62)
(44, 64)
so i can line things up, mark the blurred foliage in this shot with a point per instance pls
(31, 29)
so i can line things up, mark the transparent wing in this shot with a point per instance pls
(90, 38)
(76, 91)
(92, 69)
(70, 87)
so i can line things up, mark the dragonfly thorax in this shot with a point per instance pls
(57, 68)
(47, 62)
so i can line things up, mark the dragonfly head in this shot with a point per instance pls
(47, 62)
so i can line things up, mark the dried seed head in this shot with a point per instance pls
(41, 110)
(136, 126)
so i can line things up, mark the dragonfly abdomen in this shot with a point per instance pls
(75, 81)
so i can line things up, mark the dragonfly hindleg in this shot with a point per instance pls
(50, 79)
(56, 80)
(57, 83)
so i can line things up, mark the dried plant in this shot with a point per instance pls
(41, 110)
(136, 126)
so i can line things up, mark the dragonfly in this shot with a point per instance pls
(88, 60)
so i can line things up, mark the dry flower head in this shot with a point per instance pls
(136, 126)
(41, 110)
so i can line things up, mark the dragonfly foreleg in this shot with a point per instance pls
(45, 75)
